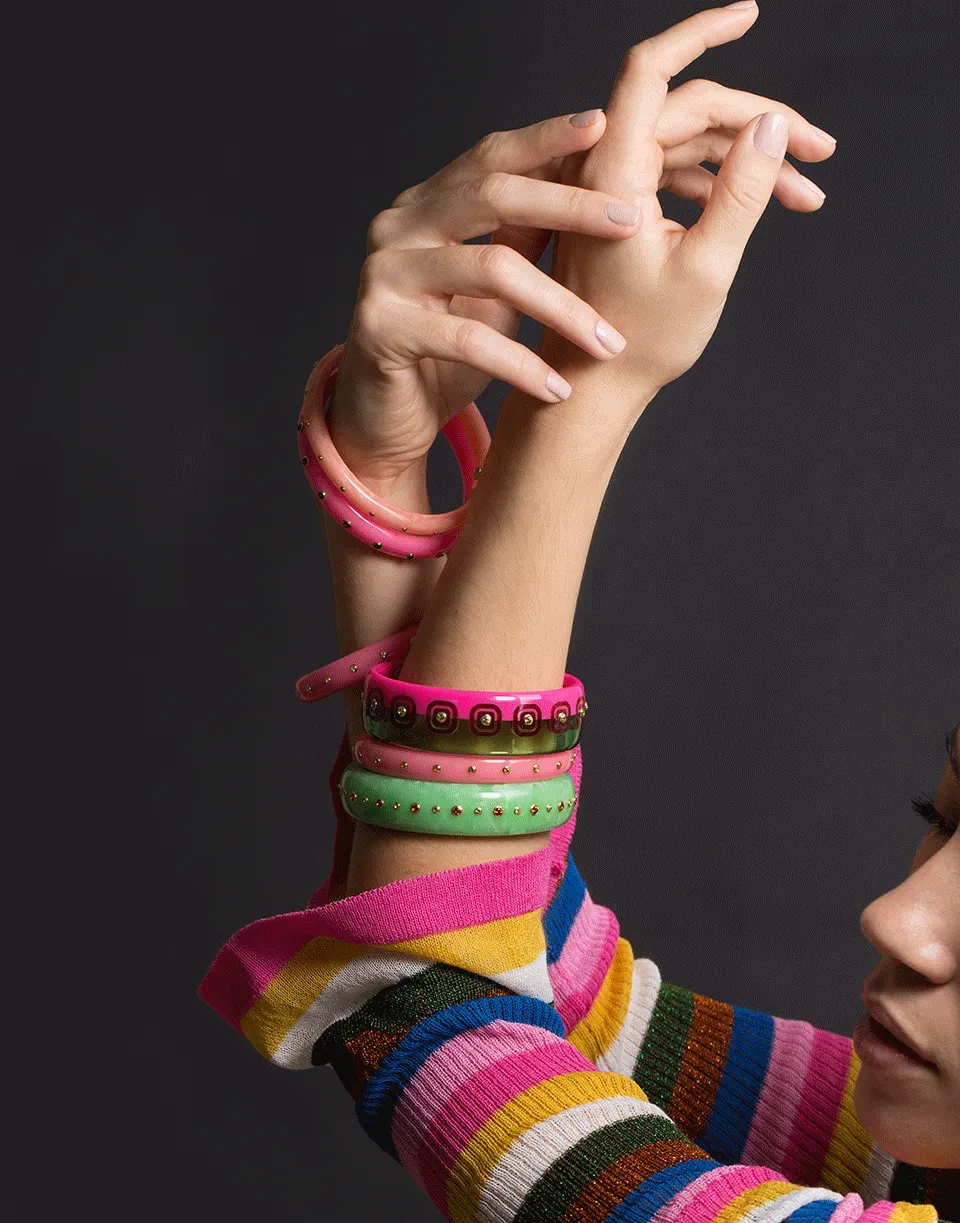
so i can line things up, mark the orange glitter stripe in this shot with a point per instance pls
(701, 1068)
(625, 1174)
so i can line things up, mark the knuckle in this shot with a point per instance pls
(482, 153)
(495, 259)
(492, 188)
(380, 229)
(466, 338)
(740, 194)
(373, 269)
(368, 320)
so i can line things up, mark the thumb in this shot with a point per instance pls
(743, 187)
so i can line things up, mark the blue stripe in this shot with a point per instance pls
(382, 1093)
(562, 911)
(643, 1202)
(813, 1212)
(744, 1071)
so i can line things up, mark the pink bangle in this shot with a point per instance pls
(467, 433)
(395, 761)
(353, 668)
(401, 702)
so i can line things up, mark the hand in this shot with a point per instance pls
(665, 287)
(435, 319)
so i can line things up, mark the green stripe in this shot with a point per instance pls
(660, 1056)
(566, 1179)
(396, 1008)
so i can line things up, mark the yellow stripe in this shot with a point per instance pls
(769, 1191)
(848, 1155)
(491, 947)
(496, 1136)
(294, 989)
(903, 1212)
(601, 1025)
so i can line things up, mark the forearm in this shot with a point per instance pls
(502, 612)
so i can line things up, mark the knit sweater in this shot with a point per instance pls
(500, 1040)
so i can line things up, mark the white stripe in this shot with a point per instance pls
(782, 1207)
(622, 1055)
(878, 1178)
(539, 1147)
(530, 979)
(354, 985)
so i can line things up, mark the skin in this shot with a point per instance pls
(913, 1111)
(435, 321)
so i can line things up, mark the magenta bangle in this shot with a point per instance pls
(398, 532)
(353, 668)
(395, 761)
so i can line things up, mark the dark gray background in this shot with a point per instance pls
(772, 600)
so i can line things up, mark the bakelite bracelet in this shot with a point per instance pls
(471, 722)
(396, 532)
(457, 808)
(392, 760)
(353, 668)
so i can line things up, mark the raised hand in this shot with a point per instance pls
(435, 318)
(665, 287)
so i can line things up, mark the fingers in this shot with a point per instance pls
(628, 161)
(793, 189)
(481, 205)
(712, 249)
(524, 150)
(494, 271)
(697, 106)
(416, 334)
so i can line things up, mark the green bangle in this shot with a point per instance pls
(457, 808)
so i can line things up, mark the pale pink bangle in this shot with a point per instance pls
(395, 761)
(353, 668)
(467, 433)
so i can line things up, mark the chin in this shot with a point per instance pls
(912, 1125)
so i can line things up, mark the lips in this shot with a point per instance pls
(881, 1016)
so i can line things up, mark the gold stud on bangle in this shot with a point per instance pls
(436, 768)
(378, 803)
(536, 768)
(458, 810)
(383, 653)
(549, 806)
(560, 805)
(534, 810)
(328, 679)
(506, 768)
(472, 768)
(352, 796)
(366, 798)
(343, 488)
(378, 546)
(516, 811)
(347, 523)
(353, 666)
(477, 811)
(322, 495)
(498, 811)
(403, 764)
(415, 808)
(396, 806)
(409, 556)
(304, 460)
(435, 810)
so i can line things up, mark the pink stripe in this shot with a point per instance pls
(719, 1191)
(879, 1212)
(584, 962)
(848, 1210)
(411, 908)
(819, 1107)
(782, 1088)
(440, 1076)
(673, 1210)
(475, 1102)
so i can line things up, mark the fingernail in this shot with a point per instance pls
(586, 117)
(609, 337)
(558, 386)
(813, 188)
(821, 132)
(771, 133)
(742, 4)
(621, 214)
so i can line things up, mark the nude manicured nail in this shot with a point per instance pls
(586, 117)
(742, 4)
(771, 134)
(813, 188)
(609, 337)
(826, 135)
(558, 386)
(621, 214)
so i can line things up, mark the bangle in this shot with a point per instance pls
(339, 491)
(457, 808)
(474, 722)
(392, 760)
(353, 668)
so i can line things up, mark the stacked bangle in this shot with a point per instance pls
(456, 808)
(385, 528)
(392, 760)
(471, 722)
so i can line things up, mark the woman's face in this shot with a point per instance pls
(908, 1092)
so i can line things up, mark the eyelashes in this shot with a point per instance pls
(924, 806)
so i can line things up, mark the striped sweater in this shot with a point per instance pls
(500, 1040)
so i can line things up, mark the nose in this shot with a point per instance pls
(918, 924)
